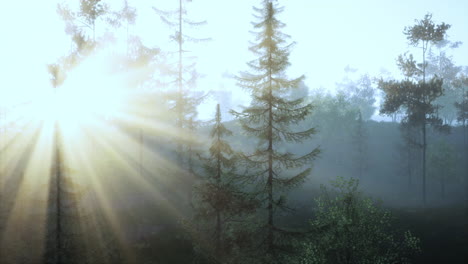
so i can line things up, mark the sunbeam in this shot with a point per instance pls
(92, 121)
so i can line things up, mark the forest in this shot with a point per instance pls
(121, 151)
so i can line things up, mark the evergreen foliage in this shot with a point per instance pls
(417, 97)
(182, 74)
(220, 202)
(271, 119)
(426, 33)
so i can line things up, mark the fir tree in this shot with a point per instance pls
(271, 119)
(77, 22)
(182, 76)
(219, 195)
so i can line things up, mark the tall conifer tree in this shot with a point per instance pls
(271, 119)
(219, 195)
(182, 76)
(417, 97)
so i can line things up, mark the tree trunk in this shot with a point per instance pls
(424, 146)
(409, 166)
(179, 106)
(218, 183)
(270, 237)
(465, 143)
(140, 154)
(58, 216)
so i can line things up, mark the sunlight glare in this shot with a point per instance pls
(91, 92)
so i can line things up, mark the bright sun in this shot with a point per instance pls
(91, 92)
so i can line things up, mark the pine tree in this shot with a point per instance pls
(417, 95)
(442, 65)
(124, 17)
(219, 195)
(77, 22)
(182, 76)
(271, 119)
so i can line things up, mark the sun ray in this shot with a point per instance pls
(112, 141)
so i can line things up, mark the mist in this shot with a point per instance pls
(234, 132)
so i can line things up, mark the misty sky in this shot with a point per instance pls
(365, 34)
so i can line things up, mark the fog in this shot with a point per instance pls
(209, 132)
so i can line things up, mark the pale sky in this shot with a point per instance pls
(365, 34)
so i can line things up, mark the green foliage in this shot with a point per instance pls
(271, 119)
(219, 202)
(351, 228)
(462, 106)
(332, 114)
(426, 31)
(408, 66)
(417, 98)
(180, 73)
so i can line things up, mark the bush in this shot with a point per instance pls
(351, 228)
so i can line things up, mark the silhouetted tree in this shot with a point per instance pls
(425, 33)
(219, 193)
(417, 97)
(181, 74)
(462, 117)
(270, 118)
